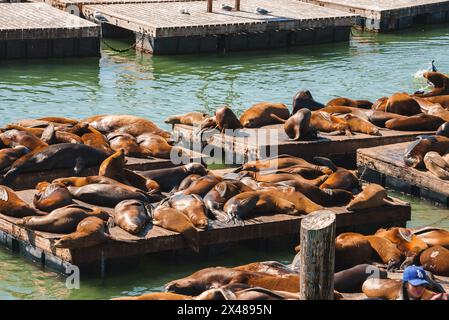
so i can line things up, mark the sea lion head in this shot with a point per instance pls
(438, 79)
(226, 119)
(196, 168)
(304, 99)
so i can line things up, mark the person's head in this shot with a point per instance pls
(415, 281)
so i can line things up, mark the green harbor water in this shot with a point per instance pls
(368, 67)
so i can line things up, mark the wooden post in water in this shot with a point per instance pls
(237, 5)
(317, 256)
(209, 5)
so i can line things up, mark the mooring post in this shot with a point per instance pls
(237, 5)
(317, 256)
(209, 5)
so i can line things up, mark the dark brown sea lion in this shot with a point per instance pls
(192, 206)
(387, 289)
(90, 232)
(124, 141)
(304, 99)
(169, 178)
(11, 205)
(414, 155)
(326, 122)
(131, 215)
(357, 124)
(13, 138)
(420, 122)
(172, 219)
(305, 172)
(155, 146)
(51, 196)
(351, 280)
(130, 124)
(372, 196)
(351, 249)
(187, 181)
(364, 104)
(58, 156)
(379, 118)
(380, 104)
(202, 186)
(341, 179)
(260, 114)
(226, 119)
(9, 155)
(402, 103)
(190, 118)
(440, 83)
(297, 127)
(436, 165)
(157, 296)
(96, 139)
(436, 260)
(443, 130)
(434, 237)
(62, 220)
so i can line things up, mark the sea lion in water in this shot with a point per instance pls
(260, 114)
(304, 99)
(326, 122)
(382, 288)
(443, 130)
(51, 196)
(89, 232)
(62, 220)
(11, 205)
(372, 196)
(130, 124)
(436, 165)
(341, 179)
(402, 103)
(436, 260)
(13, 138)
(192, 206)
(351, 280)
(190, 118)
(172, 219)
(364, 104)
(420, 122)
(9, 155)
(58, 156)
(357, 124)
(414, 155)
(131, 215)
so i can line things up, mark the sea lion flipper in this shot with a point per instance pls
(389, 201)
(275, 117)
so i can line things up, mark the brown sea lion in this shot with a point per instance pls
(380, 104)
(187, 181)
(11, 205)
(306, 172)
(372, 196)
(364, 104)
(62, 220)
(402, 103)
(280, 177)
(409, 244)
(84, 181)
(124, 141)
(260, 114)
(13, 138)
(442, 100)
(434, 237)
(169, 178)
(202, 185)
(226, 119)
(90, 232)
(440, 83)
(304, 99)
(387, 252)
(172, 219)
(351, 280)
(436, 165)
(130, 124)
(379, 118)
(341, 179)
(436, 260)
(438, 111)
(416, 151)
(52, 136)
(157, 296)
(190, 118)
(326, 122)
(34, 131)
(96, 139)
(297, 127)
(131, 215)
(302, 204)
(357, 124)
(272, 268)
(341, 110)
(59, 120)
(51, 196)
(34, 123)
(351, 249)
(192, 206)
(155, 146)
(420, 122)
(387, 289)
(9, 155)
(443, 130)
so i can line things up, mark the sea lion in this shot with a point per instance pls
(9, 155)
(156, 146)
(442, 100)
(90, 232)
(438, 111)
(272, 268)
(436, 165)
(190, 118)
(124, 141)
(351, 249)
(372, 196)
(380, 104)
(57, 156)
(34, 131)
(420, 122)
(387, 289)
(13, 138)
(443, 130)
(402, 103)
(255, 203)
(130, 124)
(51, 196)
(62, 220)
(386, 251)
(52, 136)
(192, 206)
(297, 127)
(11, 204)
(326, 122)
(131, 215)
(341, 179)
(436, 260)
(416, 150)
(202, 185)
(357, 124)
(351, 280)
(280, 177)
(172, 219)
(440, 83)
(169, 178)
(157, 296)
(305, 172)
(409, 244)
(59, 120)
(187, 181)
(96, 139)
(434, 237)
(226, 119)
(84, 181)
(304, 99)
(302, 204)
(379, 118)
(364, 104)
(260, 114)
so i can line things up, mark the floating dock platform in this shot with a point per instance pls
(387, 15)
(161, 28)
(76, 6)
(37, 30)
(385, 166)
(254, 144)
(39, 247)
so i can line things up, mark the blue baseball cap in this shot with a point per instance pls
(416, 276)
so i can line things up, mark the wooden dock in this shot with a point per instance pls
(39, 245)
(385, 166)
(37, 30)
(253, 144)
(161, 28)
(77, 5)
(387, 15)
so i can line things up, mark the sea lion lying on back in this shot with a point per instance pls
(192, 206)
(51, 196)
(260, 114)
(190, 118)
(131, 215)
(304, 99)
(364, 104)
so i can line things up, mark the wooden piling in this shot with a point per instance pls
(209, 5)
(317, 256)
(237, 5)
